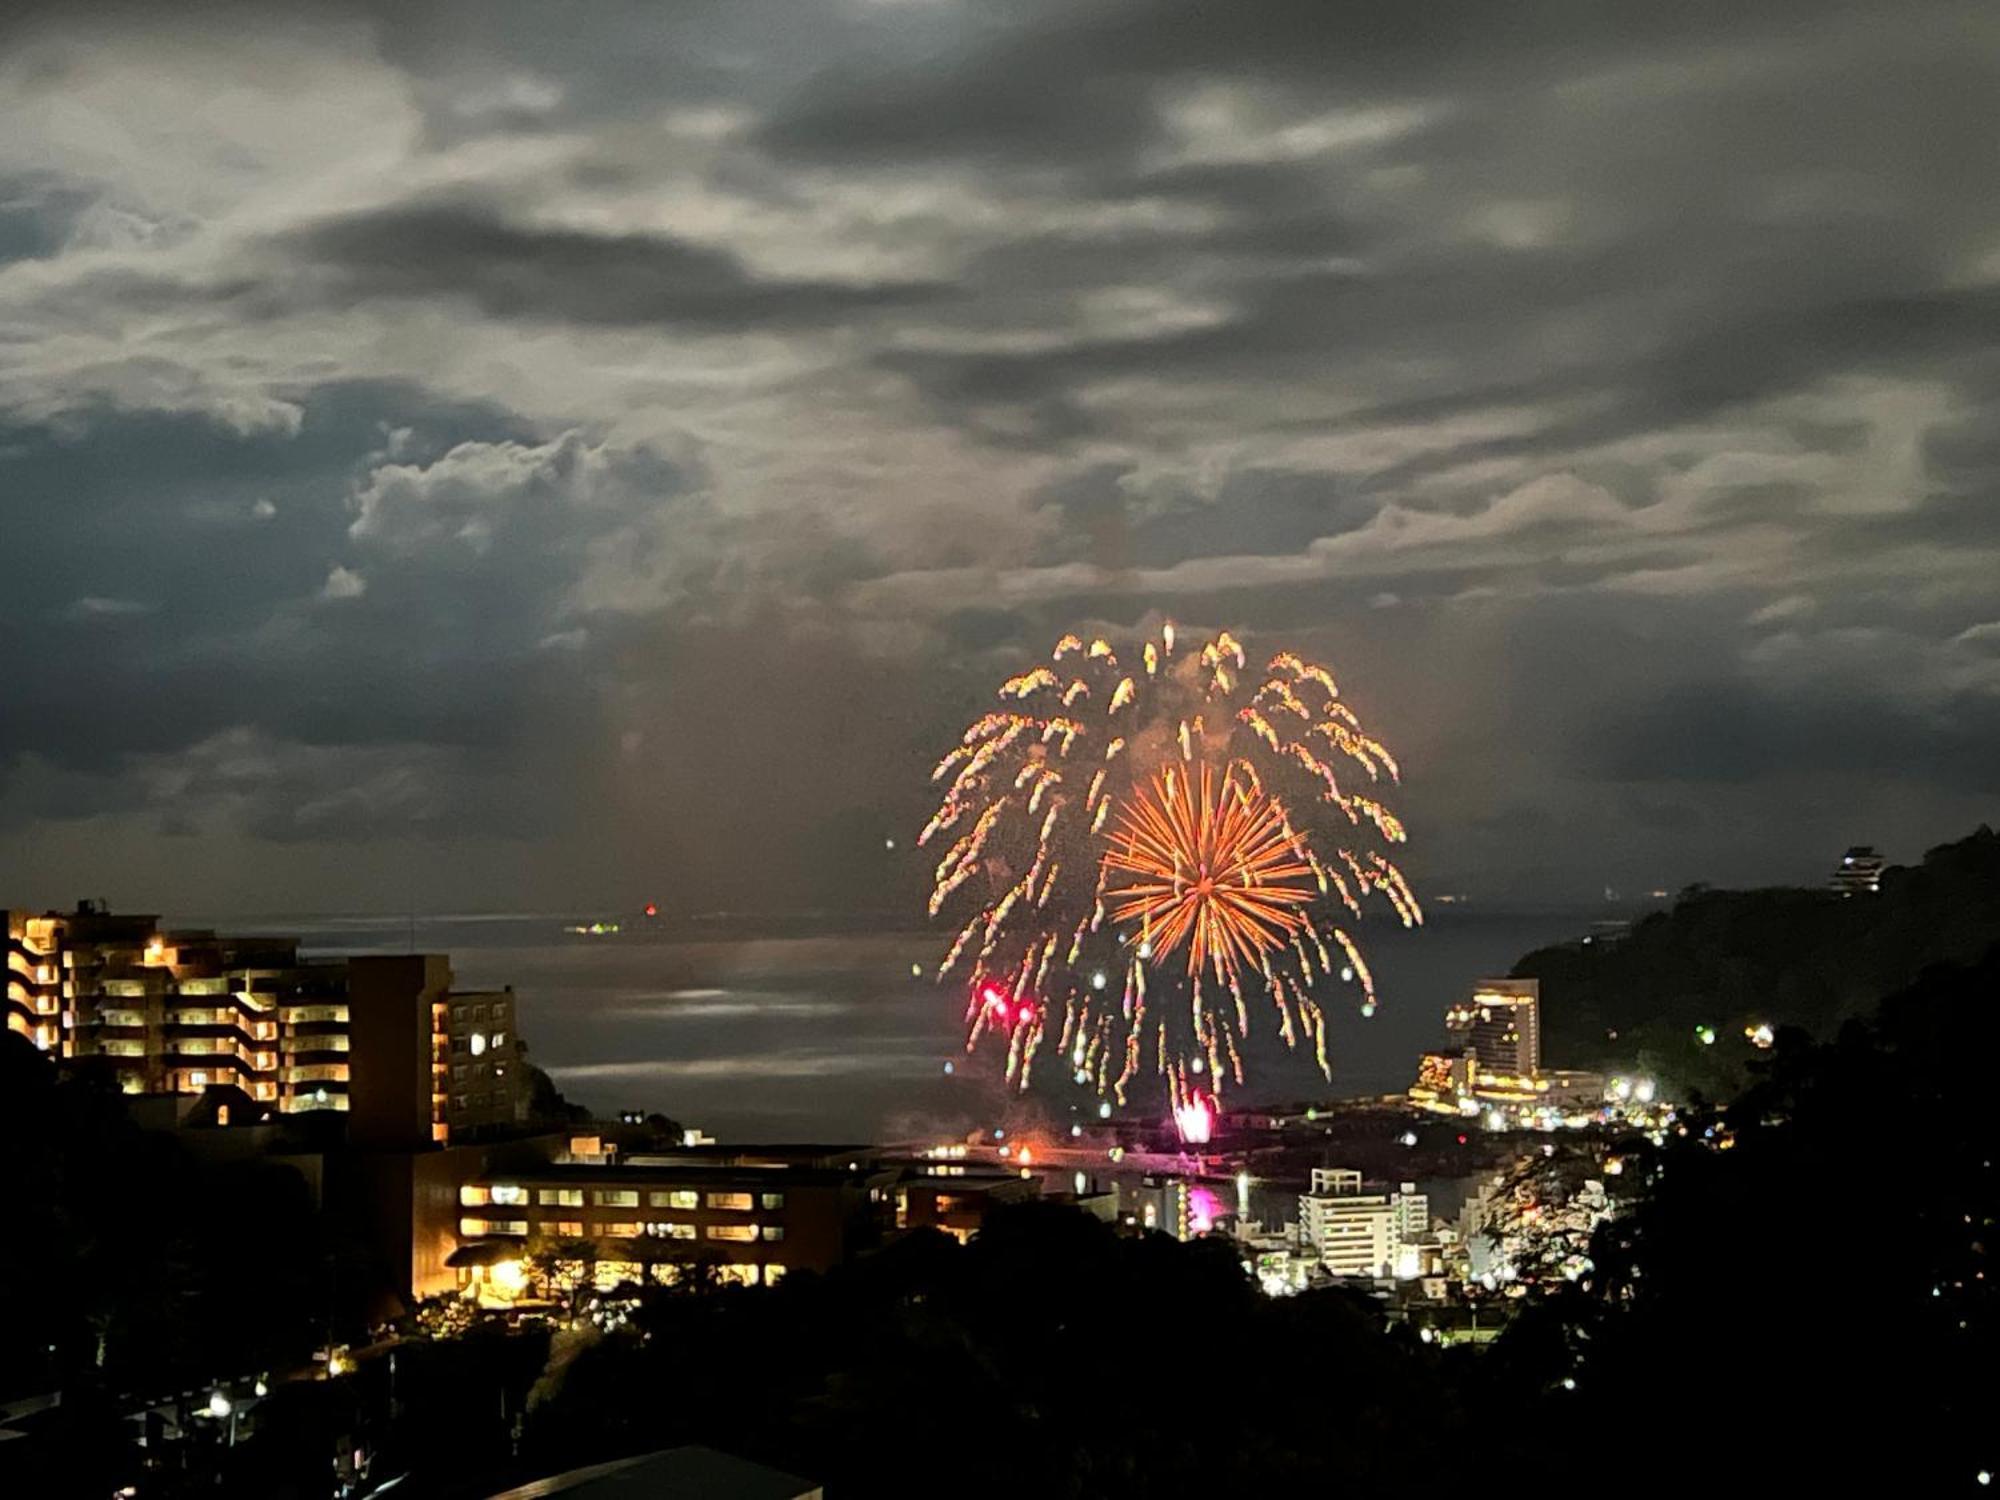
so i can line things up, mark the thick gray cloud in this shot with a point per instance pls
(458, 250)
(491, 454)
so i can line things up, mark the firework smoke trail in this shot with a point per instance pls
(1149, 852)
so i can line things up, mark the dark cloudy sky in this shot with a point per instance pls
(525, 454)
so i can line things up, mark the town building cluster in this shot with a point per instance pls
(407, 1103)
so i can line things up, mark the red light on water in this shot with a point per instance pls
(1204, 1208)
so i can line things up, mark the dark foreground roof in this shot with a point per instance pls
(691, 1473)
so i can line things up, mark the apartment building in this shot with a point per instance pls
(384, 1040)
(1357, 1233)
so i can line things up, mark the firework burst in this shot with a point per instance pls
(1140, 854)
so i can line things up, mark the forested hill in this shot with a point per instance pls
(1788, 957)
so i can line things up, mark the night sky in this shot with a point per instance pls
(528, 455)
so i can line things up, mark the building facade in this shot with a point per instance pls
(381, 1039)
(1502, 1028)
(754, 1214)
(1352, 1232)
(1859, 871)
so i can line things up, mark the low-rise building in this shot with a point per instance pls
(957, 1200)
(755, 1213)
(1859, 871)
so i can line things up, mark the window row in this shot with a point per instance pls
(476, 1194)
(736, 1234)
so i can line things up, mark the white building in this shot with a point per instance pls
(1353, 1233)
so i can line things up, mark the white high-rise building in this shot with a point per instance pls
(1361, 1234)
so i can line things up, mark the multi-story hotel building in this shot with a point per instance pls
(383, 1039)
(1501, 1024)
(755, 1212)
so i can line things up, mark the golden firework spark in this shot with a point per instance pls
(1217, 868)
(1104, 823)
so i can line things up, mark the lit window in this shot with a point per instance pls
(676, 1198)
(667, 1229)
(622, 1231)
(771, 1200)
(570, 1229)
(511, 1194)
(736, 1202)
(474, 1228)
(472, 1195)
(478, 1043)
(772, 1233)
(499, 1039)
(559, 1197)
(772, 1275)
(741, 1234)
(615, 1198)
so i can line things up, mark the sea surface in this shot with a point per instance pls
(802, 1034)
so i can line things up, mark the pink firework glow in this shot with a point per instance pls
(1195, 1119)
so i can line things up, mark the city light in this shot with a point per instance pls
(218, 1405)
